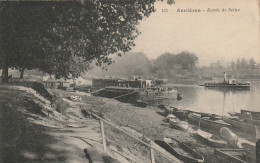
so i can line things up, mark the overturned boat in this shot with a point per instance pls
(231, 138)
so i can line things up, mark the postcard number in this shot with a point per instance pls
(165, 10)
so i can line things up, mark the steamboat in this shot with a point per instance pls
(228, 84)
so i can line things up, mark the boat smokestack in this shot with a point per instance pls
(225, 77)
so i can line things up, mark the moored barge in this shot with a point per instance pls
(134, 91)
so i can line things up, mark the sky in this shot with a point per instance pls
(212, 36)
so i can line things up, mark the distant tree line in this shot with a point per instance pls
(240, 64)
(241, 68)
(243, 64)
(167, 65)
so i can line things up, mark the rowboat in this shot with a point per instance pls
(180, 150)
(207, 122)
(178, 124)
(211, 139)
(231, 155)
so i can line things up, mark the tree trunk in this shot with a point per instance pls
(21, 74)
(4, 73)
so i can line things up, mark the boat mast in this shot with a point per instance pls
(225, 77)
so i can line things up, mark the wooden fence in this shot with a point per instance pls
(152, 149)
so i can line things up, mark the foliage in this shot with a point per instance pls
(130, 64)
(52, 36)
(241, 68)
(169, 65)
(165, 66)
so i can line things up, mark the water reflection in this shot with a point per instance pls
(219, 101)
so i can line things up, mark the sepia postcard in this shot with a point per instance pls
(130, 81)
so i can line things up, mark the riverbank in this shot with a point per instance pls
(31, 130)
(145, 121)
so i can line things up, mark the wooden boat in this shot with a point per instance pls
(240, 124)
(250, 150)
(207, 122)
(181, 114)
(180, 150)
(211, 139)
(178, 124)
(250, 117)
(232, 155)
(253, 115)
(169, 117)
(233, 114)
(231, 138)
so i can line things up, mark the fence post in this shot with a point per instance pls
(103, 136)
(152, 156)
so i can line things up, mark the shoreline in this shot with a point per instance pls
(142, 122)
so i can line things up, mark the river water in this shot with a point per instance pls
(218, 101)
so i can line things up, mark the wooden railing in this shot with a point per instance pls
(152, 156)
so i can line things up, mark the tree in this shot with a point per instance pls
(238, 64)
(252, 63)
(163, 65)
(232, 66)
(187, 60)
(244, 63)
(168, 65)
(51, 36)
